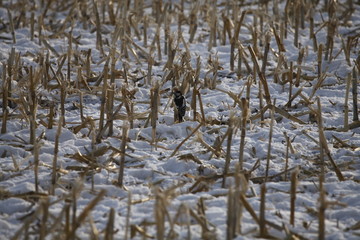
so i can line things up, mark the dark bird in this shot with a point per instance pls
(180, 104)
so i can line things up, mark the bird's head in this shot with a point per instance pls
(176, 92)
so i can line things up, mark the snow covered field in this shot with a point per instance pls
(61, 54)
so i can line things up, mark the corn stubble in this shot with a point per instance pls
(27, 99)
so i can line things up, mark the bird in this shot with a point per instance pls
(180, 104)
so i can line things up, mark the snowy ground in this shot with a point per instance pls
(152, 176)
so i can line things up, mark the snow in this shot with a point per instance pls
(188, 179)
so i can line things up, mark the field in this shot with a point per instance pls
(90, 147)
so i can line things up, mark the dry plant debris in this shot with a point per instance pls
(270, 145)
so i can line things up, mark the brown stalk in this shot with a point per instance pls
(85, 213)
(227, 25)
(157, 40)
(312, 33)
(255, 37)
(201, 108)
(261, 76)
(56, 151)
(354, 125)
(213, 25)
(167, 35)
(81, 102)
(99, 42)
(346, 48)
(5, 90)
(346, 106)
(142, 231)
(297, 19)
(193, 22)
(286, 155)
(287, 115)
(75, 191)
(32, 28)
(40, 26)
(285, 75)
(214, 151)
(62, 100)
(231, 217)
(154, 95)
(125, 69)
(286, 13)
(109, 108)
(355, 96)
(290, 80)
(235, 209)
(57, 222)
(294, 175)
(67, 217)
(11, 25)
(248, 88)
(215, 71)
(262, 111)
(299, 61)
(241, 185)
(193, 102)
(318, 84)
(93, 231)
(103, 102)
(128, 106)
(111, 14)
(322, 208)
(160, 209)
(88, 63)
(244, 118)
(82, 13)
(185, 139)
(128, 214)
(270, 141)
(291, 98)
(149, 70)
(233, 42)
(262, 220)
(183, 215)
(24, 228)
(324, 146)
(49, 47)
(201, 218)
(69, 54)
(36, 164)
(302, 14)
(187, 51)
(282, 31)
(33, 106)
(46, 7)
(228, 149)
(218, 144)
(248, 207)
(242, 58)
(79, 79)
(145, 26)
(342, 143)
(261, 17)
(45, 214)
(122, 160)
(279, 40)
(266, 52)
(239, 63)
(331, 31)
(206, 233)
(319, 59)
